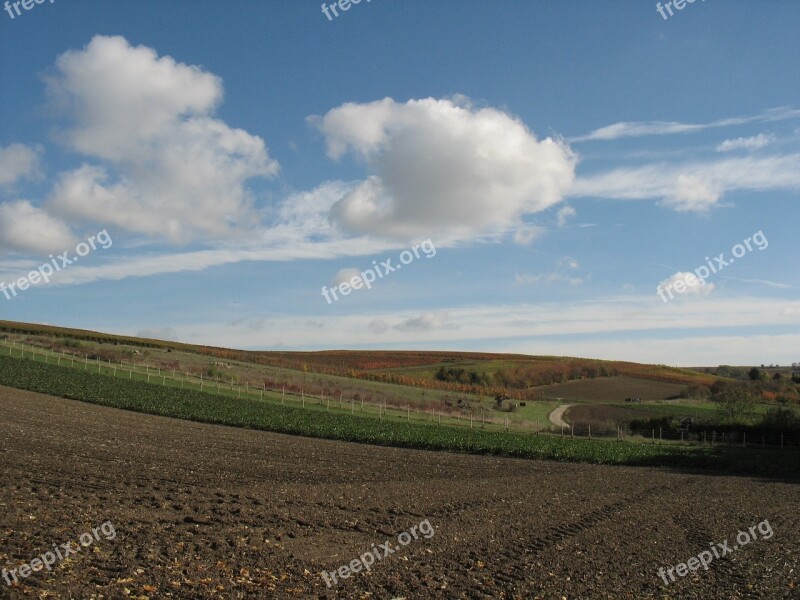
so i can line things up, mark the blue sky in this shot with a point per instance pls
(564, 160)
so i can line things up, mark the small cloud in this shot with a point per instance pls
(748, 143)
(527, 234)
(565, 263)
(314, 324)
(692, 286)
(344, 276)
(693, 193)
(564, 214)
(425, 322)
(568, 262)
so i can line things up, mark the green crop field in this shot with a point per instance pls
(83, 385)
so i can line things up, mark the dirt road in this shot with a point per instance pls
(557, 416)
(212, 512)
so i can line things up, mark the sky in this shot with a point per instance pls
(593, 179)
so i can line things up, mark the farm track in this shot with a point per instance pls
(204, 511)
(557, 416)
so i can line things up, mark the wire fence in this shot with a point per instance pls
(482, 420)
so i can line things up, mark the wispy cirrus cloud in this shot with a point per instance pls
(746, 143)
(627, 129)
(692, 186)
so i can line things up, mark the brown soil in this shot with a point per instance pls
(212, 512)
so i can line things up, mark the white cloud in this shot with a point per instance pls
(626, 129)
(168, 168)
(692, 287)
(26, 228)
(565, 266)
(693, 186)
(547, 278)
(750, 143)
(621, 327)
(18, 161)
(344, 275)
(441, 167)
(527, 234)
(424, 322)
(564, 214)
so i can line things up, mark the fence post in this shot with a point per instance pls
(781, 440)
(744, 440)
(654, 436)
(590, 431)
(659, 435)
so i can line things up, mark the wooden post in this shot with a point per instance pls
(659, 435)
(781, 440)
(283, 393)
(590, 431)
(744, 440)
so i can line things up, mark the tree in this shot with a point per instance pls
(756, 374)
(736, 403)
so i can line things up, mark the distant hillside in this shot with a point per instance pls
(515, 375)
